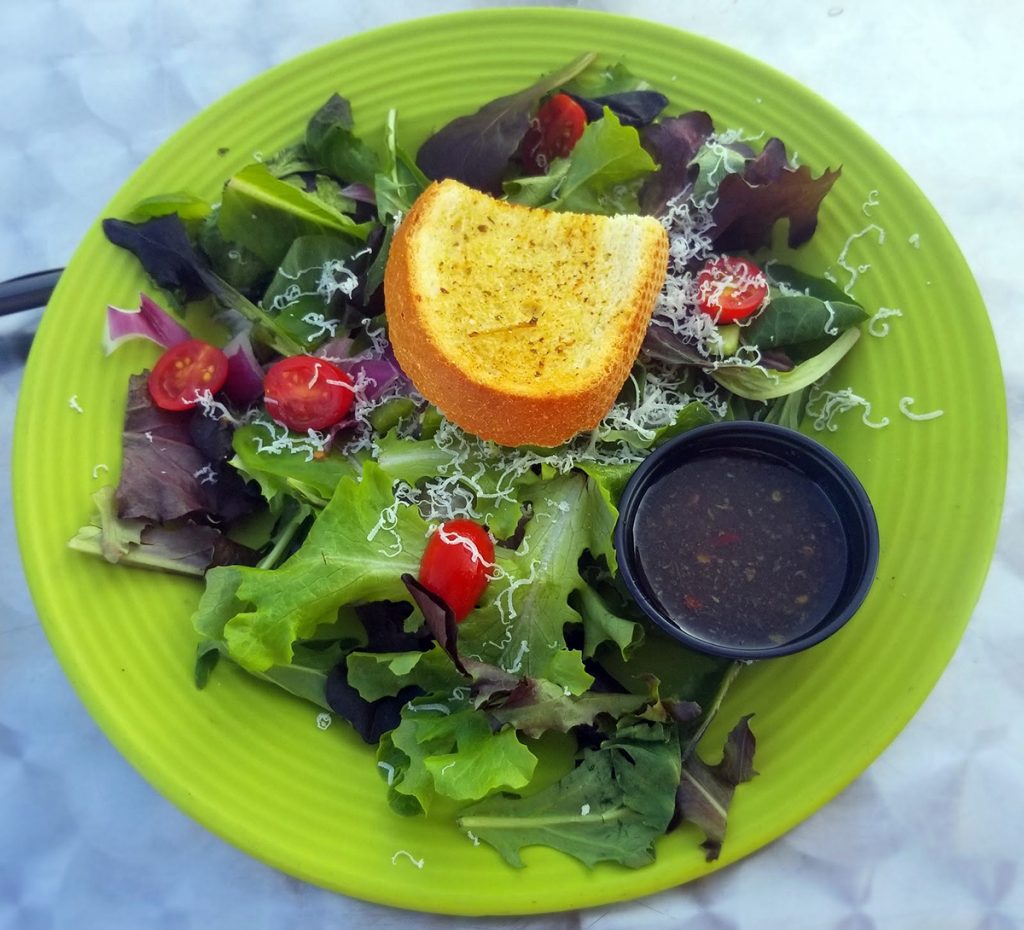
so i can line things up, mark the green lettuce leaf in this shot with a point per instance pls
(331, 142)
(789, 319)
(602, 174)
(611, 807)
(444, 746)
(314, 279)
(519, 626)
(354, 553)
(288, 472)
(266, 215)
(760, 384)
(383, 674)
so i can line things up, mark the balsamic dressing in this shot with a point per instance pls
(740, 549)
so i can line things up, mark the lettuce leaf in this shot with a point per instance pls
(164, 475)
(760, 384)
(768, 190)
(611, 807)
(705, 791)
(354, 553)
(602, 174)
(331, 142)
(444, 746)
(266, 215)
(519, 626)
(674, 142)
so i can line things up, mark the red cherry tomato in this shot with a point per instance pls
(730, 289)
(457, 563)
(554, 131)
(304, 393)
(186, 371)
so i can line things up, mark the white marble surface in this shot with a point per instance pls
(929, 837)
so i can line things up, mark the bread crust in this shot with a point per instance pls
(548, 416)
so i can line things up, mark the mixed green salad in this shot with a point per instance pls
(455, 601)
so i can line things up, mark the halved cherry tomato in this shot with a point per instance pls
(730, 289)
(553, 132)
(303, 393)
(457, 563)
(185, 372)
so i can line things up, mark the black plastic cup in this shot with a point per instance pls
(785, 446)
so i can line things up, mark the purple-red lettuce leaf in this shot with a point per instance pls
(750, 203)
(165, 251)
(183, 547)
(440, 619)
(476, 149)
(163, 475)
(673, 143)
(705, 791)
(150, 321)
(633, 107)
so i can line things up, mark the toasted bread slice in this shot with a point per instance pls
(520, 324)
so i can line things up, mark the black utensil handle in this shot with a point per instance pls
(28, 291)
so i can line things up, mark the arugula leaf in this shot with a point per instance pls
(353, 554)
(790, 319)
(597, 80)
(602, 174)
(331, 142)
(760, 384)
(266, 215)
(611, 807)
(476, 149)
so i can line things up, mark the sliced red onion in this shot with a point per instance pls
(149, 321)
(245, 376)
(378, 374)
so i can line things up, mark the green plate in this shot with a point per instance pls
(249, 762)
